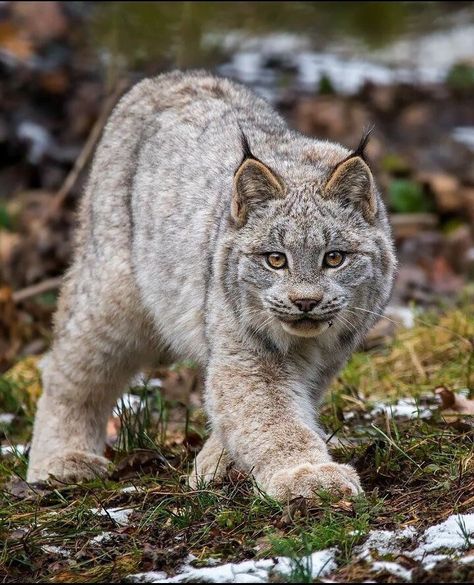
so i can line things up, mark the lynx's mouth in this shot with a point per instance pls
(305, 326)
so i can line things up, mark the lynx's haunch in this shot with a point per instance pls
(211, 231)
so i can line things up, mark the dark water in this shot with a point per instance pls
(278, 47)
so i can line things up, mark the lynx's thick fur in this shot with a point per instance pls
(211, 231)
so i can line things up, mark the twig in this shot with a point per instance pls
(88, 147)
(37, 289)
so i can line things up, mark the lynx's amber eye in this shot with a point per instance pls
(276, 260)
(333, 259)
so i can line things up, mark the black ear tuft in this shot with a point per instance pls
(246, 147)
(360, 150)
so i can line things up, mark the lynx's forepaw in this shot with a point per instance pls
(70, 466)
(210, 465)
(306, 480)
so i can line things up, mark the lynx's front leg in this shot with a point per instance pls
(257, 409)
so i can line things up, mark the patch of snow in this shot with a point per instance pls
(55, 550)
(405, 407)
(393, 568)
(119, 515)
(129, 402)
(143, 380)
(6, 418)
(385, 541)
(450, 534)
(38, 138)
(464, 135)
(13, 449)
(403, 315)
(418, 60)
(321, 563)
(131, 489)
(467, 559)
(102, 537)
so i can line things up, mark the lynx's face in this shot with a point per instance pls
(314, 257)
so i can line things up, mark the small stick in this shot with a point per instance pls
(37, 289)
(88, 147)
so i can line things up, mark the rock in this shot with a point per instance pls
(446, 190)
(458, 244)
(415, 117)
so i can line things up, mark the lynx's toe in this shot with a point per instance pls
(306, 480)
(70, 466)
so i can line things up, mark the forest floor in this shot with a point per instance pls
(398, 412)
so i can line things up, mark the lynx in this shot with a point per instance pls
(211, 231)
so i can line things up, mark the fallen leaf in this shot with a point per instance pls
(137, 462)
(454, 402)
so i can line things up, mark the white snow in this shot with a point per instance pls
(129, 402)
(392, 568)
(422, 59)
(404, 316)
(455, 533)
(131, 489)
(13, 449)
(464, 135)
(447, 535)
(119, 515)
(6, 418)
(103, 537)
(405, 407)
(320, 563)
(55, 550)
(385, 541)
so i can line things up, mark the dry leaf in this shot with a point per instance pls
(139, 461)
(454, 402)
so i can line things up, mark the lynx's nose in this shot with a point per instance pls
(306, 305)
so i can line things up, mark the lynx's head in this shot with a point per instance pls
(312, 254)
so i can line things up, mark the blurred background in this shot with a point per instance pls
(330, 68)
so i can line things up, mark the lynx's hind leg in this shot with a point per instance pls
(100, 341)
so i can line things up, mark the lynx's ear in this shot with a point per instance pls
(352, 182)
(254, 183)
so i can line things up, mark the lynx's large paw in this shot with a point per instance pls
(306, 479)
(70, 466)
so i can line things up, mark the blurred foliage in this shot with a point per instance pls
(407, 196)
(395, 164)
(5, 220)
(185, 34)
(461, 76)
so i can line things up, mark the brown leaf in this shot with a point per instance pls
(139, 461)
(454, 402)
(113, 429)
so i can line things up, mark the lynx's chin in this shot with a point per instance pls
(306, 327)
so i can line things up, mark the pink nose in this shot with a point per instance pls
(306, 305)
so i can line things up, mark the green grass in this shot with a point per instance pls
(416, 473)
